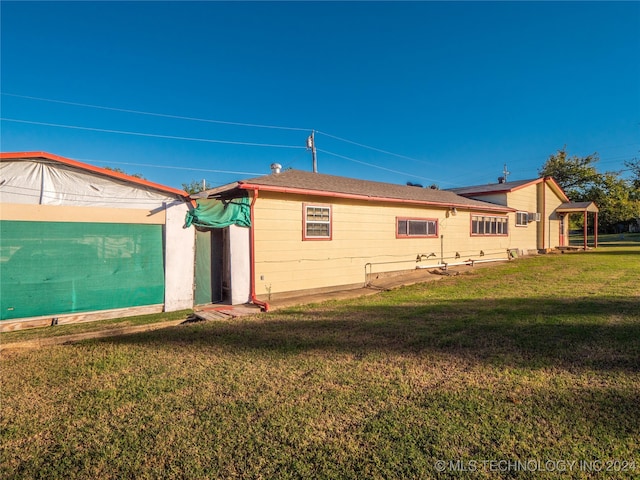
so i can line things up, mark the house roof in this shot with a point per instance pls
(308, 183)
(497, 188)
(569, 207)
(90, 168)
(491, 188)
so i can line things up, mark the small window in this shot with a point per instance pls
(484, 225)
(416, 227)
(317, 222)
(522, 219)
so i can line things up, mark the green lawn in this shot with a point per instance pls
(608, 240)
(536, 360)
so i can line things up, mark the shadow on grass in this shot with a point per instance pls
(597, 333)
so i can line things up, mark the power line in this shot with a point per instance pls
(254, 125)
(167, 166)
(164, 115)
(223, 122)
(374, 148)
(153, 135)
(379, 167)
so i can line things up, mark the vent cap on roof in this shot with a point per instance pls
(276, 168)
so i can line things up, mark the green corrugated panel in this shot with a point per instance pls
(49, 268)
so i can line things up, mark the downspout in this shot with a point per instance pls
(585, 231)
(252, 254)
(544, 214)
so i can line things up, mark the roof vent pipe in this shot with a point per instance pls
(276, 168)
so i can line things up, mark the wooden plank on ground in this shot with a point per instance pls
(211, 315)
(68, 339)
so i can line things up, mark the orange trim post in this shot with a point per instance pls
(252, 255)
(584, 229)
(544, 214)
(595, 230)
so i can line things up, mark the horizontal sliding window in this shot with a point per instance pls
(489, 225)
(317, 222)
(416, 227)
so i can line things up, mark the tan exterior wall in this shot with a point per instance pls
(549, 227)
(524, 200)
(362, 232)
(60, 213)
(552, 201)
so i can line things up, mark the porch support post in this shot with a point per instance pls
(595, 230)
(585, 230)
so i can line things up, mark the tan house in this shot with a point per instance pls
(315, 232)
(79, 243)
(541, 200)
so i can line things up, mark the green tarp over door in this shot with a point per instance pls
(220, 213)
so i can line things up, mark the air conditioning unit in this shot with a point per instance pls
(534, 217)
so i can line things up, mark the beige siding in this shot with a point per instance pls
(549, 227)
(60, 213)
(524, 200)
(552, 201)
(362, 233)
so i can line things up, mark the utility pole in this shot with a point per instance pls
(311, 144)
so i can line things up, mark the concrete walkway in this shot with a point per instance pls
(376, 286)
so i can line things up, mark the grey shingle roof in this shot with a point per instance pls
(309, 182)
(491, 187)
(577, 207)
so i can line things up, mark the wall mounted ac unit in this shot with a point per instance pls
(534, 217)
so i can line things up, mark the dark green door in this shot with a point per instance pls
(208, 266)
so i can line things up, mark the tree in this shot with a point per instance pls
(615, 200)
(119, 170)
(616, 197)
(196, 186)
(574, 174)
(634, 166)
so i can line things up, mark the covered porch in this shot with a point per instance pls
(564, 210)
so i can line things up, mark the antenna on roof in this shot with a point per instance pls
(505, 172)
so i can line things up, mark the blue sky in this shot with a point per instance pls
(428, 92)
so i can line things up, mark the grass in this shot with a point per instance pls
(608, 239)
(537, 359)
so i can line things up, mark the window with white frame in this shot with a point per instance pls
(489, 225)
(416, 227)
(317, 222)
(522, 219)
